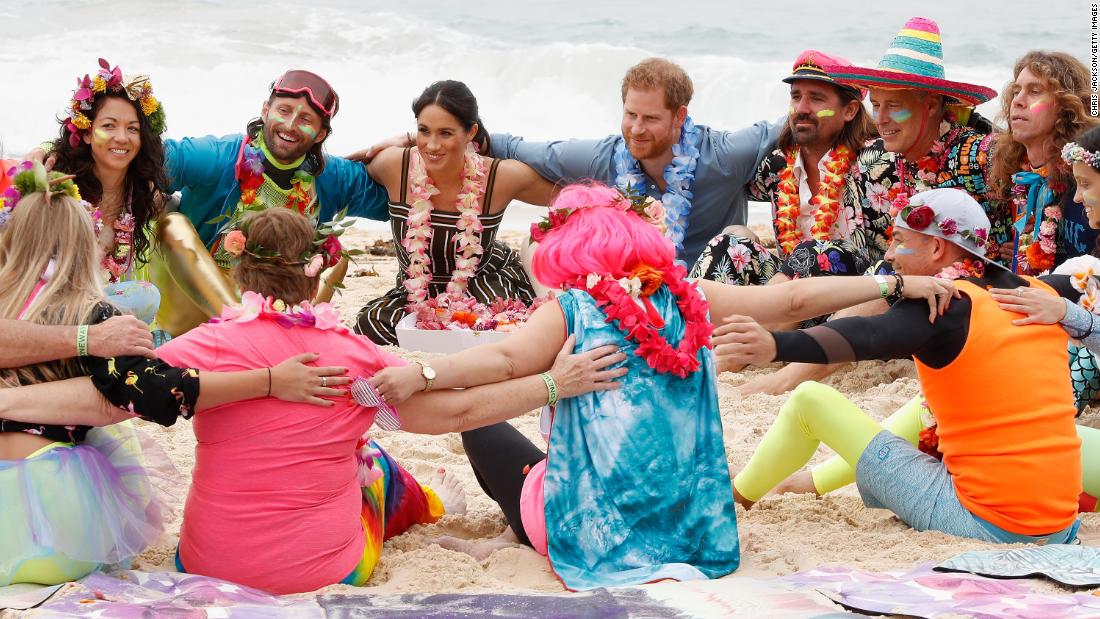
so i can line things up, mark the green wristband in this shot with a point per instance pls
(883, 287)
(551, 388)
(82, 341)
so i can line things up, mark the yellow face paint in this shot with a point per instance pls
(790, 110)
(901, 250)
(307, 131)
(1039, 106)
(826, 113)
(100, 136)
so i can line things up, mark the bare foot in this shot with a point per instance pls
(449, 490)
(770, 384)
(478, 549)
(801, 482)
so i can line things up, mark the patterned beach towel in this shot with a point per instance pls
(637, 487)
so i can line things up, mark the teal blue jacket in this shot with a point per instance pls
(203, 170)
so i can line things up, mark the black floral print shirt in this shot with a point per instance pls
(146, 388)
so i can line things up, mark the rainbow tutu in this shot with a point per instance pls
(80, 507)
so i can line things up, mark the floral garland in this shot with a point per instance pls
(825, 203)
(451, 313)
(250, 175)
(1034, 196)
(650, 210)
(121, 259)
(928, 440)
(679, 176)
(919, 216)
(1084, 281)
(641, 323)
(255, 306)
(30, 177)
(324, 252)
(136, 88)
(418, 235)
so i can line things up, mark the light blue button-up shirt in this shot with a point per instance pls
(727, 162)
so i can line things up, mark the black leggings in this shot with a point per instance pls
(501, 457)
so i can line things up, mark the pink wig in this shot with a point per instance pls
(605, 241)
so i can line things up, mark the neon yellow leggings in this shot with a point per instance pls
(814, 414)
(906, 422)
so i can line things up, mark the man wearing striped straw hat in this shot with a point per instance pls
(922, 118)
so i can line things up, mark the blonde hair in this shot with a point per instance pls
(663, 75)
(38, 231)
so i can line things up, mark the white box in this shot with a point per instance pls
(442, 341)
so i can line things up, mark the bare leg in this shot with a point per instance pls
(788, 377)
(479, 549)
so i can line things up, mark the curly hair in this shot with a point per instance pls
(145, 178)
(1068, 79)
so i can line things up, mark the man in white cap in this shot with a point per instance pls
(999, 397)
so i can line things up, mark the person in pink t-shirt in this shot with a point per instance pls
(279, 499)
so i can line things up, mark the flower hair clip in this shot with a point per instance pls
(109, 79)
(325, 251)
(1073, 152)
(650, 210)
(31, 177)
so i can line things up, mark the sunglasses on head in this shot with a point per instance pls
(320, 93)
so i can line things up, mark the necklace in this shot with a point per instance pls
(418, 235)
(825, 203)
(119, 261)
(679, 177)
(1034, 200)
(640, 321)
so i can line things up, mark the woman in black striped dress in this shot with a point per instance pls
(446, 205)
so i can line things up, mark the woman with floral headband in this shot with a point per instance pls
(446, 205)
(75, 497)
(111, 143)
(635, 486)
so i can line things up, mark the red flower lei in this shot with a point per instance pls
(825, 203)
(641, 324)
(928, 440)
(250, 175)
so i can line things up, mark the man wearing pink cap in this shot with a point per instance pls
(823, 222)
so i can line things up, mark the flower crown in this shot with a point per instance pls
(1073, 151)
(651, 211)
(325, 251)
(137, 88)
(30, 177)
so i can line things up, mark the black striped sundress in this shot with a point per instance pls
(499, 272)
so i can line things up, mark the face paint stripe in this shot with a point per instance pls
(900, 116)
(825, 113)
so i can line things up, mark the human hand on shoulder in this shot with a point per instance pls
(741, 341)
(936, 290)
(576, 374)
(367, 154)
(396, 384)
(120, 336)
(1037, 306)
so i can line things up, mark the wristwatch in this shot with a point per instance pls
(428, 372)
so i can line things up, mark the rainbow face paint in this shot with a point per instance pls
(1039, 106)
(826, 113)
(900, 116)
(902, 250)
(307, 131)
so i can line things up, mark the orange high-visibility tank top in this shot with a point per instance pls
(1006, 420)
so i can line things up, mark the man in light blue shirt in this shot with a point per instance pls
(698, 172)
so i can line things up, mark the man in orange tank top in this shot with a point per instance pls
(1011, 463)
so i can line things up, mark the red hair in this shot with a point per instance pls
(605, 241)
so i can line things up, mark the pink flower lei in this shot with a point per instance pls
(255, 306)
(418, 235)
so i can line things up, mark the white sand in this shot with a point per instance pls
(779, 536)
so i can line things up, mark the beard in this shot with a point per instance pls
(283, 151)
(651, 149)
(806, 134)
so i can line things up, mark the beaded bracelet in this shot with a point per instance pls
(899, 289)
(551, 388)
(82, 341)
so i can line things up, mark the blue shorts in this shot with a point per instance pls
(893, 474)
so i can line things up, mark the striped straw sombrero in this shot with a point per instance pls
(913, 62)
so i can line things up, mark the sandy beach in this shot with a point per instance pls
(781, 535)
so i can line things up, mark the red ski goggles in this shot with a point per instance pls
(298, 82)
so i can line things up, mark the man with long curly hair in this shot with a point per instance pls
(1044, 106)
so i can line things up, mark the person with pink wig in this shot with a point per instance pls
(634, 487)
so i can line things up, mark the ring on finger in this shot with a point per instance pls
(324, 381)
